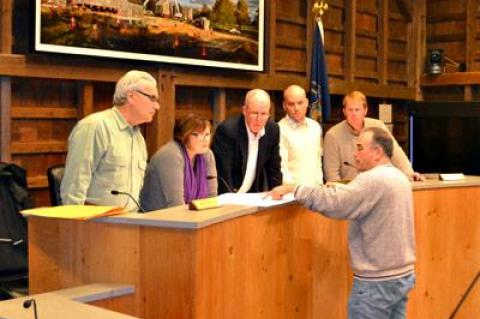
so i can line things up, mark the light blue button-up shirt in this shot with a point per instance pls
(105, 153)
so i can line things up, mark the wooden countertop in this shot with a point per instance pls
(435, 183)
(68, 303)
(182, 218)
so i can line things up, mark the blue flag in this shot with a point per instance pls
(319, 91)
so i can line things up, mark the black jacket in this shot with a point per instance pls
(14, 197)
(230, 146)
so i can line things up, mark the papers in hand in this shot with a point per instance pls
(252, 199)
(79, 212)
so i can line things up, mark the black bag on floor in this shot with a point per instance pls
(14, 197)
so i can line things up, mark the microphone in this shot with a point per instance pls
(28, 303)
(224, 183)
(349, 164)
(115, 192)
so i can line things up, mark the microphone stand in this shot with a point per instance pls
(140, 208)
(28, 303)
(227, 186)
(469, 289)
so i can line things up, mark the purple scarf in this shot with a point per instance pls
(195, 180)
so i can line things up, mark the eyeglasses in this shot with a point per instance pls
(151, 97)
(202, 136)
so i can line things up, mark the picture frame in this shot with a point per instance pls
(225, 34)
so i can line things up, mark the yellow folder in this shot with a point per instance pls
(80, 212)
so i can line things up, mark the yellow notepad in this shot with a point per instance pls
(80, 212)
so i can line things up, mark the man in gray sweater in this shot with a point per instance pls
(378, 202)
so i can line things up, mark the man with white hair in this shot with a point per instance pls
(246, 148)
(106, 150)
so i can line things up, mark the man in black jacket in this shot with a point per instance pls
(246, 148)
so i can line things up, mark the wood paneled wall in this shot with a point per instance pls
(453, 26)
(371, 45)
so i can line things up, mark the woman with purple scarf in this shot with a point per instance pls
(183, 169)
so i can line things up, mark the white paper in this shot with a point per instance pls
(252, 199)
(452, 177)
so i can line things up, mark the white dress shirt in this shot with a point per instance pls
(301, 151)
(249, 177)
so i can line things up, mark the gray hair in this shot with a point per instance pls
(256, 95)
(381, 138)
(132, 80)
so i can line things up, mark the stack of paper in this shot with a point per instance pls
(252, 199)
(80, 212)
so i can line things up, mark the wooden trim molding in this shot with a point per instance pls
(160, 130)
(6, 11)
(219, 106)
(382, 59)
(85, 98)
(39, 147)
(270, 36)
(350, 44)
(48, 67)
(44, 113)
(372, 90)
(450, 79)
(5, 118)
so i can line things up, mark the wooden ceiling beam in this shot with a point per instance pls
(450, 79)
(372, 90)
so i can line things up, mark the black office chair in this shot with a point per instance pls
(55, 175)
(14, 196)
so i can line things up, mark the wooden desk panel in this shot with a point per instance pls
(447, 223)
(272, 264)
(282, 262)
(67, 253)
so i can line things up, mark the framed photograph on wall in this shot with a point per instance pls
(215, 33)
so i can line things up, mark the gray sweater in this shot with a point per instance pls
(164, 178)
(379, 205)
(339, 147)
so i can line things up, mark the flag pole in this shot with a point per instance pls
(320, 107)
(319, 8)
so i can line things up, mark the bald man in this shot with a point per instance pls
(300, 140)
(246, 148)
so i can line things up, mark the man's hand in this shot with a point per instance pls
(418, 177)
(279, 191)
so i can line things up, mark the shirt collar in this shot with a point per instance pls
(294, 124)
(253, 137)
(352, 130)
(119, 119)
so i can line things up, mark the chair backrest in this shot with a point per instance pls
(14, 196)
(55, 175)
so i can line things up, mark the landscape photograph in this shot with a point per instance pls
(218, 33)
